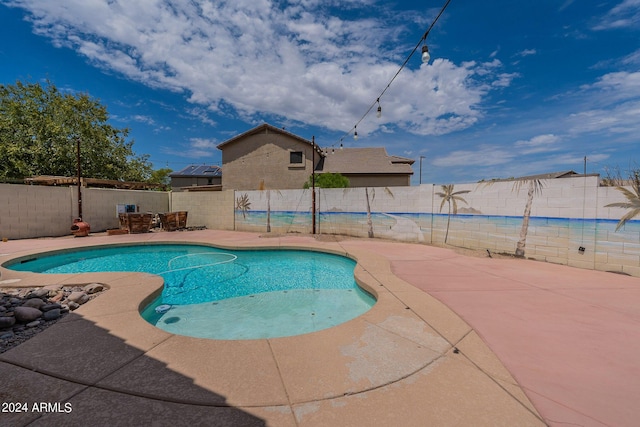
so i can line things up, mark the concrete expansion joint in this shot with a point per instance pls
(494, 378)
(94, 385)
(275, 360)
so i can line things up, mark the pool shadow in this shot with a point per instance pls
(77, 373)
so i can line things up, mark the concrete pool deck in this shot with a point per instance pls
(453, 340)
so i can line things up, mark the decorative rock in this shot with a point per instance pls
(38, 293)
(51, 314)
(83, 299)
(6, 322)
(51, 306)
(33, 324)
(33, 302)
(23, 293)
(76, 295)
(92, 288)
(26, 314)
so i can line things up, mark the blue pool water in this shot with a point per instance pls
(219, 294)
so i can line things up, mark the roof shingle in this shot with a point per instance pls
(366, 161)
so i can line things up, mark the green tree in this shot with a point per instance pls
(452, 198)
(39, 128)
(328, 180)
(160, 176)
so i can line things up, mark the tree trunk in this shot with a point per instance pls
(369, 221)
(268, 211)
(525, 222)
(446, 234)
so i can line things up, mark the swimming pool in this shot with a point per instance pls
(220, 294)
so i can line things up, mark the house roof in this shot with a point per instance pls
(366, 161)
(264, 128)
(550, 175)
(198, 171)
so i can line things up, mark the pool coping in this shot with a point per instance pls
(409, 350)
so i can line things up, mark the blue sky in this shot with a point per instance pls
(512, 88)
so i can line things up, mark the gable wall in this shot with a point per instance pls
(264, 158)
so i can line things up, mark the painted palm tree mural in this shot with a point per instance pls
(534, 186)
(633, 203)
(451, 198)
(373, 197)
(243, 204)
(269, 208)
(262, 187)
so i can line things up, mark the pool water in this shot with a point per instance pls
(218, 294)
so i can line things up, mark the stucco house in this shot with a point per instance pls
(197, 177)
(267, 157)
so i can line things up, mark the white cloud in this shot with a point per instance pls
(539, 144)
(143, 119)
(486, 155)
(620, 119)
(202, 115)
(527, 52)
(294, 60)
(615, 105)
(632, 59)
(624, 15)
(617, 86)
(196, 148)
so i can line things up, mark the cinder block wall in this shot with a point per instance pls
(34, 211)
(280, 211)
(28, 211)
(616, 250)
(569, 224)
(212, 209)
(99, 205)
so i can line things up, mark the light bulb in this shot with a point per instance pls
(341, 146)
(379, 113)
(355, 135)
(425, 54)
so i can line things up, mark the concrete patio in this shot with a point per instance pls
(452, 340)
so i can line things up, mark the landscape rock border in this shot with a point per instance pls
(25, 312)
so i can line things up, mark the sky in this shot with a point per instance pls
(512, 88)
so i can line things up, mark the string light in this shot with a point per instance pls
(425, 54)
(425, 58)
